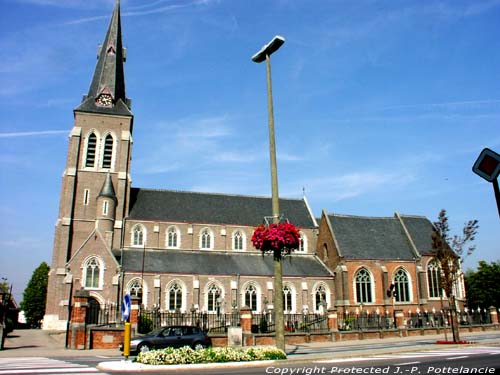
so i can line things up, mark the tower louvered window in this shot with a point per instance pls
(91, 148)
(108, 152)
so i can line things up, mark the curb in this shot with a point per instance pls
(129, 366)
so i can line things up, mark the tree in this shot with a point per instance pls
(450, 254)
(483, 286)
(35, 294)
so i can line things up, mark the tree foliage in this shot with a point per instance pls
(35, 294)
(450, 252)
(483, 286)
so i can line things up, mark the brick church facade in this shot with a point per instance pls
(179, 251)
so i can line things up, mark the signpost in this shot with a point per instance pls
(126, 307)
(487, 166)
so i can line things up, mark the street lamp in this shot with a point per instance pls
(265, 55)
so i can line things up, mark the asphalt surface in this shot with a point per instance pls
(39, 343)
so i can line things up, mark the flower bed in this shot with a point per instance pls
(185, 355)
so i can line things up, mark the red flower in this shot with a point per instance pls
(276, 237)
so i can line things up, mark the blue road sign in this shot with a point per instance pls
(126, 307)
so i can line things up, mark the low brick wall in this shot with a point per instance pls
(110, 338)
(105, 338)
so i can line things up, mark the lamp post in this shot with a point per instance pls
(265, 55)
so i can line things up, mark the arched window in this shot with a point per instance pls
(251, 297)
(107, 154)
(238, 240)
(302, 242)
(325, 252)
(402, 286)
(174, 297)
(173, 237)
(320, 298)
(433, 279)
(287, 299)
(92, 273)
(206, 239)
(363, 282)
(138, 235)
(135, 289)
(213, 298)
(91, 150)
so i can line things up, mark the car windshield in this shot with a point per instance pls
(155, 332)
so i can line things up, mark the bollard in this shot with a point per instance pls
(126, 340)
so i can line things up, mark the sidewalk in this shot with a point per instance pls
(40, 343)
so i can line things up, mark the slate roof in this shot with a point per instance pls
(420, 229)
(220, 263)
(107, 190)
(191, 207)
(109, 76)
(370, 238)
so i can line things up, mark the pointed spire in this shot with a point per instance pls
(107, 89)
(107, 190)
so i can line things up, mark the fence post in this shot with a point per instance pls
(333, 325)
(134, 315)
(493, 315)
(399, 319)
(246, 319)
(78, 318)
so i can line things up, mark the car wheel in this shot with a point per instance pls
(198, 346)
(143, 348)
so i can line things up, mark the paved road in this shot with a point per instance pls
(43, 365)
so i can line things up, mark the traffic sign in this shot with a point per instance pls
(487, 165)
(126, 307)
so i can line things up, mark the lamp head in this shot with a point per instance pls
(268, 49)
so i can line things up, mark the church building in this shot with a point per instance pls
(190, 251)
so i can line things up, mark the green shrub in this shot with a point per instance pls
(145, 324)
(184, 355)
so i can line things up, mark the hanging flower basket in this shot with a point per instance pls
(283, 237)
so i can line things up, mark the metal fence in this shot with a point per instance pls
(364, 321)
(373, 321)
(218, 323)
(149, 319)
(265, 323)
(213, 323)
(108, 315)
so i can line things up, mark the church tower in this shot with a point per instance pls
(95, 186)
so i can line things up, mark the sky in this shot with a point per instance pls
(380, 106)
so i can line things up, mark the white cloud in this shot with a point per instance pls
(33, 134)
(350, 185)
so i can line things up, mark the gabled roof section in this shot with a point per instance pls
(190, 207)
(220, 263)
(107, 90)
(360, 237)
(420, 230)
